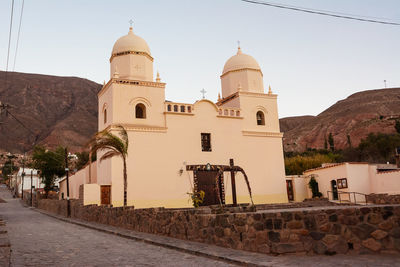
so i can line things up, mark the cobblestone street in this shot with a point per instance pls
(40, 240)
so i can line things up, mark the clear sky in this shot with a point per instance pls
(310, 61)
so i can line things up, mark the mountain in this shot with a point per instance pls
(63, 111)
(55, 111)
(351, 119)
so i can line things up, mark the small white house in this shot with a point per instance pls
(26, 182)
(349, 181)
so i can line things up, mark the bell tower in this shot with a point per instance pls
(131, 96)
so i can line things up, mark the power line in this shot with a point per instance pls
(19, 31)
(321, 12)
(9, 39)
(7, 112)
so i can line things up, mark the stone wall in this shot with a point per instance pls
(383, 199)
(326, 230)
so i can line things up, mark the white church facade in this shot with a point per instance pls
(165, 137)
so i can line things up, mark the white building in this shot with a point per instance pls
(36, 181)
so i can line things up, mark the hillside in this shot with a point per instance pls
(59, 110)
(359, 114)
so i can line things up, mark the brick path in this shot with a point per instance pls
(40, 240)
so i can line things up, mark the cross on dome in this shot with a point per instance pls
(239, 50)
(203, 92)
(130, 22)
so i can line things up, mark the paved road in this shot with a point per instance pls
(39, 240)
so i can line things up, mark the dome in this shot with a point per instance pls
(240, 61)
(130, 42)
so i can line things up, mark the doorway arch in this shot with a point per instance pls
(334, 190)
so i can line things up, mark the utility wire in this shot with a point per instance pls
(5, 107)
(19, 31)
(321, 12)
(9, 40)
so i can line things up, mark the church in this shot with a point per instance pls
(167, 139)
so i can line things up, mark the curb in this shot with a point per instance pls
(132, 236)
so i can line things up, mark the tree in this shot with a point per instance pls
(349, 141)
(7, 169)
(397, 126)
(51, 164)
(83, 158)
(115, 146)
(313, 185)
(331, 142)
(325, 143)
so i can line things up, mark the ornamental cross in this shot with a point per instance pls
(131, 22)
(203, 92)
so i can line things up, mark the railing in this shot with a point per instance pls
(229, 112)
(346, 197)
(178, 107)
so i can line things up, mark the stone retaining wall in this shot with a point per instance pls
(323, 231)
(383, 199)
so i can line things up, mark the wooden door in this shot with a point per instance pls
(289, 189)
(334, 190)
(206, 181)
(105, 194)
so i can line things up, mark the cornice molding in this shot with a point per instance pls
(131, 82)
(228, 117)
(178, 113)
(262, 134)
(262, 95)
(242, 69)
(131, 52)
(137, 128)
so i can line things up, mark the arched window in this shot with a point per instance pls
(105, 116)
(140, 111)
(260, 118)
(169, 107)
(175, 108)
(182, 108)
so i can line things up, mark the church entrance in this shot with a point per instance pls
(212, 184)
(210, 179)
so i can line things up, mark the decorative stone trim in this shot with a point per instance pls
(262, 134)
(138, 128)
(229, 117)
(260, 95)
(131, 53)
(133, 82)
(140, 83)
(243, 69)
(178, 113)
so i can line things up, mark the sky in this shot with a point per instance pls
(310, 61)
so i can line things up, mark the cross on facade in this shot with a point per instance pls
(203, 92)
(131, 22)
(137, 67)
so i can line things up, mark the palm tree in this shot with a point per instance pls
(115, 146)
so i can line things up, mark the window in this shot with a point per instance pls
(189, 108)
(182, 108)
(169, 108)
(105, 116)
(205, 142)
(342, 183)
(175, 108)
(260, 118)
(140, 111)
